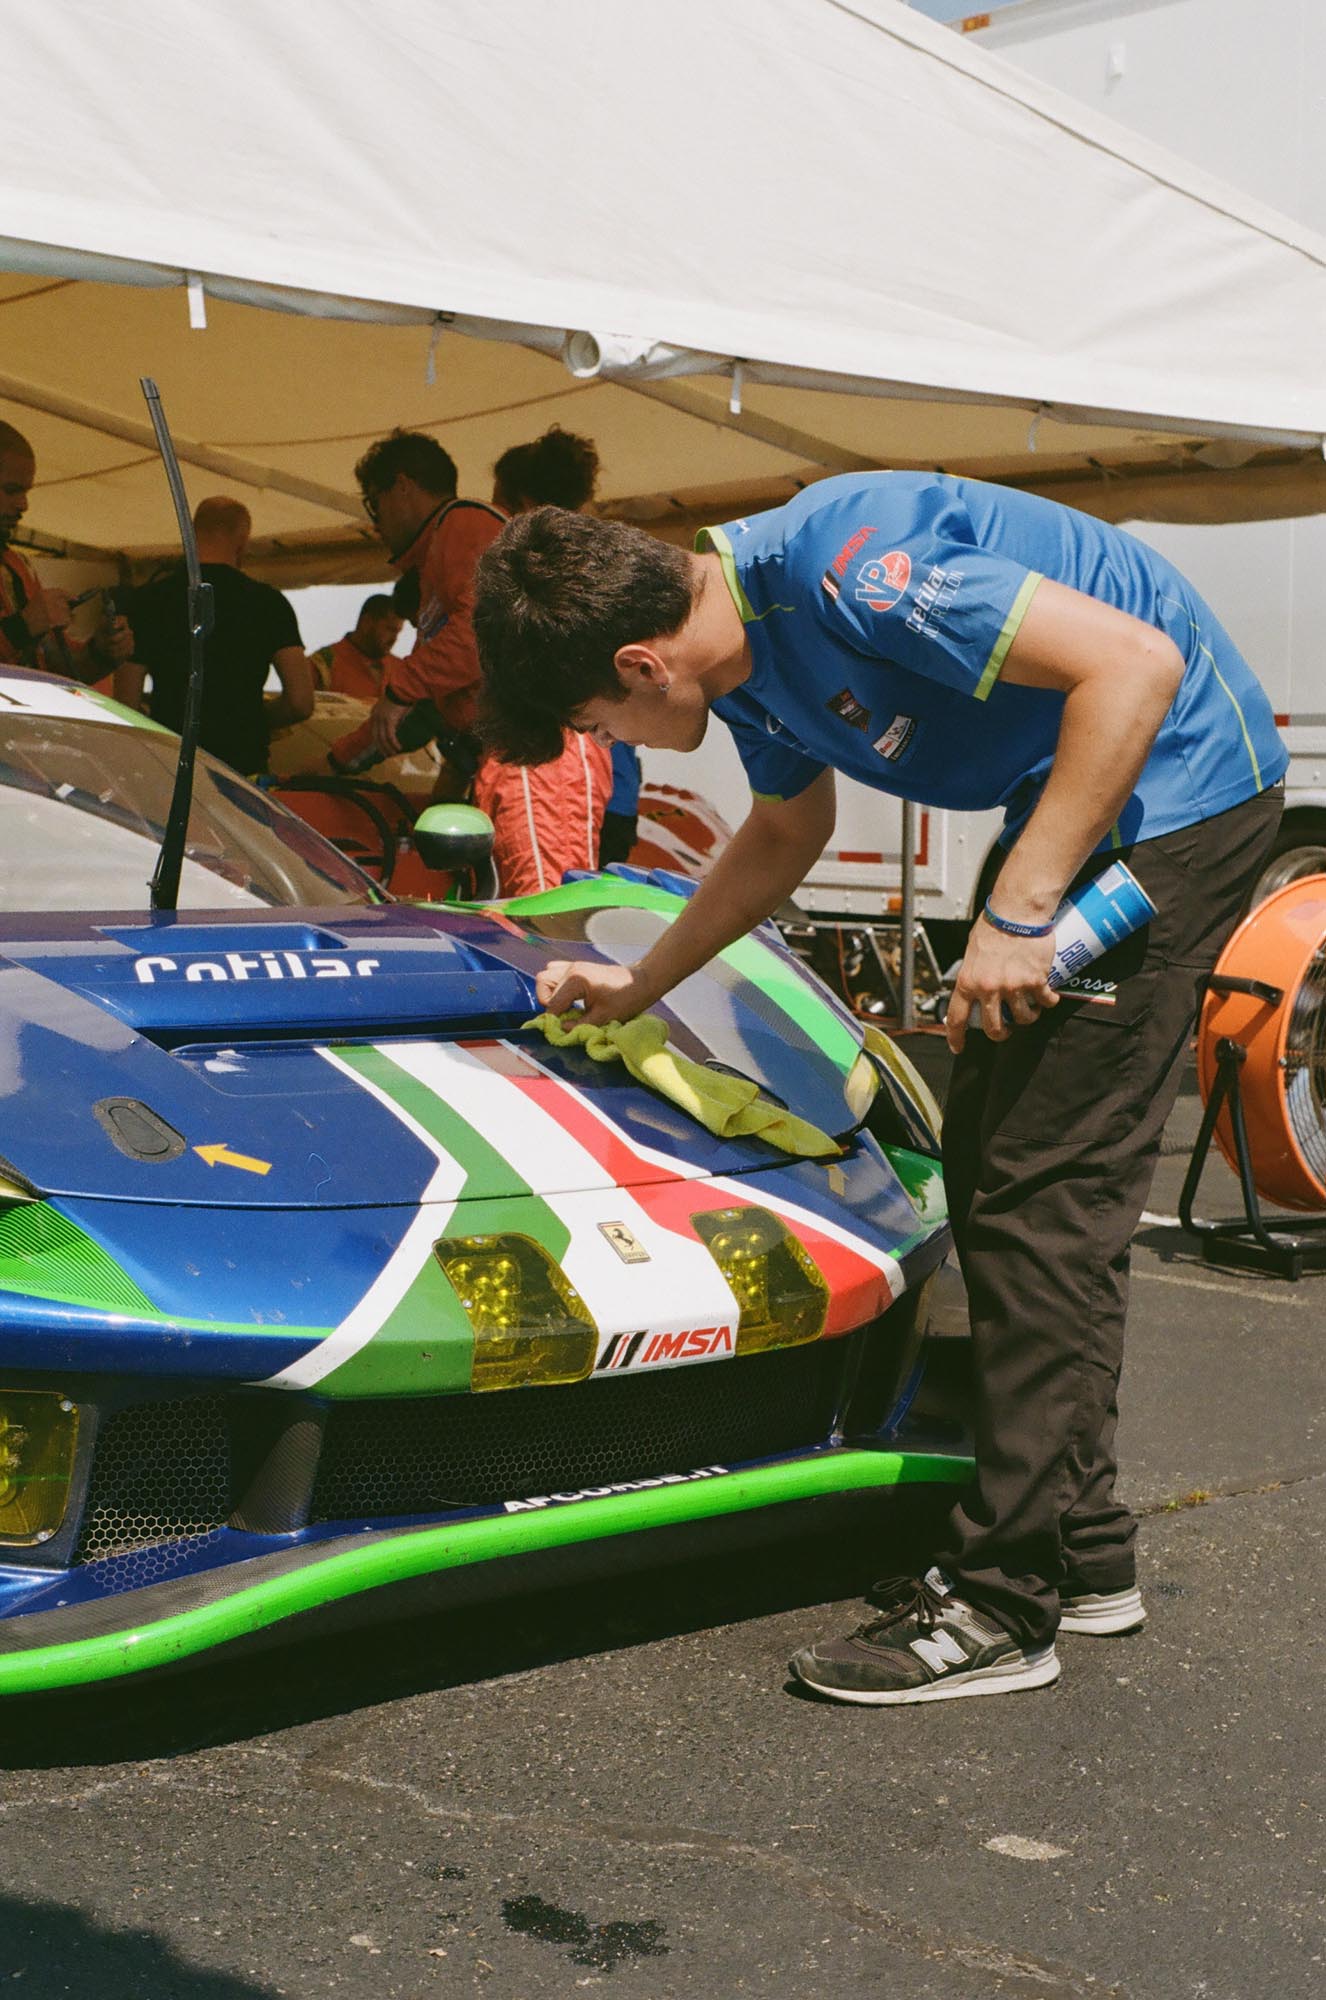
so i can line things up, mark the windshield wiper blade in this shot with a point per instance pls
(201, 613)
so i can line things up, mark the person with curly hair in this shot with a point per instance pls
(548, 818)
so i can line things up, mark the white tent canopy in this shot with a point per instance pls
(741, 243)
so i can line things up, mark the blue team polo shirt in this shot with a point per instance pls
(879, 609)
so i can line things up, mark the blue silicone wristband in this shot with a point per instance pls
(1014, 930)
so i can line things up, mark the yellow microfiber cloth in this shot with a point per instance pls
(728, 1106)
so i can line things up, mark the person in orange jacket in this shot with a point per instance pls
(408, 485)
(33, 620)
(546, 817)
(356, 664)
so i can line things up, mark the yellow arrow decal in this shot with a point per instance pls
(220, 1155)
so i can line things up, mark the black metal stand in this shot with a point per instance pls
(1248, 1243)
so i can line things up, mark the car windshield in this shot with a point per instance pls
(83, 804)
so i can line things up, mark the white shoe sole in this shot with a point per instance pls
(1023, 1670)
(1119, 1611)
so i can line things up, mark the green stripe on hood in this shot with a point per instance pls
(425, 1346)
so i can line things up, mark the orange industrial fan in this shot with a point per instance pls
(1261, 1065)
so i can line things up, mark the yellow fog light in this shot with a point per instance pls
(530, 1325)
(38, 1431)
(782, 1298)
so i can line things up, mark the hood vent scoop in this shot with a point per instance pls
(137, 1130)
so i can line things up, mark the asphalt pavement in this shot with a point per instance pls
(617, 1788)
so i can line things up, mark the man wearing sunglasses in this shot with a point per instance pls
(408, 484)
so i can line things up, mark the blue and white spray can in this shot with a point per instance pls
(1099, 915)
(1087, 924)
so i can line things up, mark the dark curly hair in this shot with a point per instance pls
(413, 452)
(558, 469)
(556, 596)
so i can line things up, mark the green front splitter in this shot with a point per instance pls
(396, 1555)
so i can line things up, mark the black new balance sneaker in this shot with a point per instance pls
(1102, 1612)
(925, 1645)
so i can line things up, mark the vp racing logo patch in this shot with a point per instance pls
(881, 581)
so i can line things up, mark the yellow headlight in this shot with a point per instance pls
(862, 1087)
(38, 1432)
(782, 1298)
(530, 1324)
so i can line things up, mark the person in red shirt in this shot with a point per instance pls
(546, 817)
(33, 620)
(408, 485)
(356, 664)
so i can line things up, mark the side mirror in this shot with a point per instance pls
(454, 837)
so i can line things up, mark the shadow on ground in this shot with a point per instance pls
(55, 1951)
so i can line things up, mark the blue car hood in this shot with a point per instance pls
(206, 1060)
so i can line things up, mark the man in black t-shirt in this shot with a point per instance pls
(255, 628)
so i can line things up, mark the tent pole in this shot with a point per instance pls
(783, 437)
(224, 463)
(907, 974)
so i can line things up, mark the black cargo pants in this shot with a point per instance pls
(1050, 1143)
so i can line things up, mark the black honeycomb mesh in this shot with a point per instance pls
(161, 1472)
(382, 1459)
(161, 1478)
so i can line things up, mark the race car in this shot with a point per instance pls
(323, 1274)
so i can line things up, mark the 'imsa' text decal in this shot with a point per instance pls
(647, 1350)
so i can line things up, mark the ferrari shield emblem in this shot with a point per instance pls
(628, 1247)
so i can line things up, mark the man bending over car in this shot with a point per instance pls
(967, 647)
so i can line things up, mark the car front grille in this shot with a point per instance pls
(385, 1459)
(162, 1478)
(161, 1473)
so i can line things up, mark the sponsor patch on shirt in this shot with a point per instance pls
(831, 581)
(432, 617)
(848, 709)
(933, 599)
(881, 581)
(896, 737)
